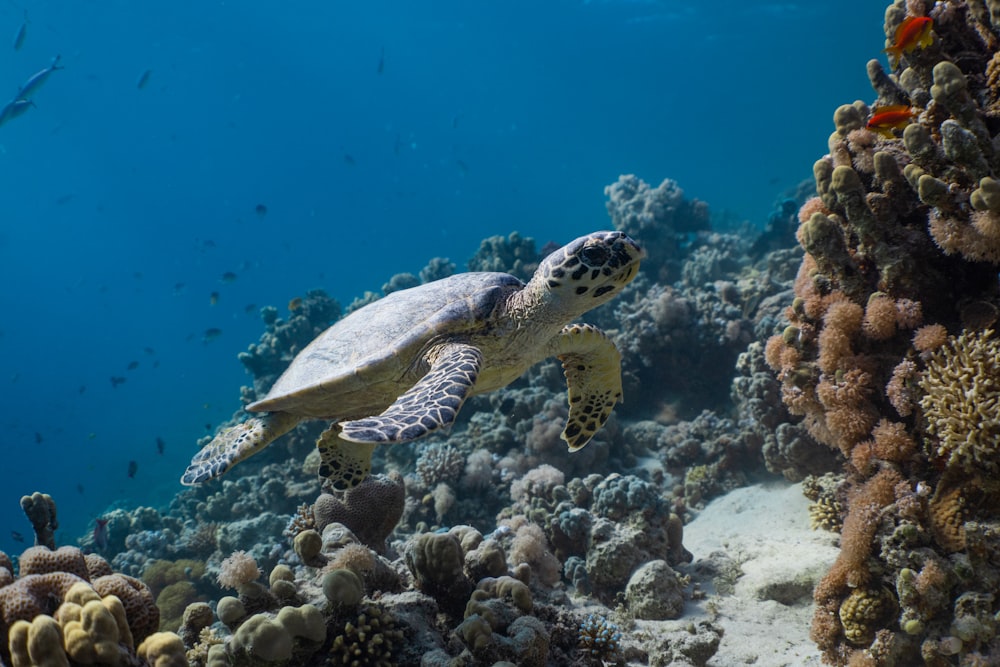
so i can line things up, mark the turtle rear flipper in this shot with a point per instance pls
(234, 444)
(346, 464)
(430, 404)
(593, 368)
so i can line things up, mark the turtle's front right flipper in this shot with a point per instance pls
(235, 444)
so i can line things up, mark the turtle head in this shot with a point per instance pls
(589, 271)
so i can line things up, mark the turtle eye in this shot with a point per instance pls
(595, 255)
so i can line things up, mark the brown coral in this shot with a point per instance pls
(370, 510)
(946, 516)
(42, 560)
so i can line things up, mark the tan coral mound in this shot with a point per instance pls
(962, 401)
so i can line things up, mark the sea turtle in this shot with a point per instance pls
(402, 366)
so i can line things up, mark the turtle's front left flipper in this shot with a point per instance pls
(593, 368)
(430, 404)
(236, 443)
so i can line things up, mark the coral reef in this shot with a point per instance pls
(901, 250)
(65, 607)
(492, 543)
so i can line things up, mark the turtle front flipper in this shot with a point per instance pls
(430, 404)
(344, 463)
(593, 368)
(235, 444)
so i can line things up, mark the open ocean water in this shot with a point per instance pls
(190, 162)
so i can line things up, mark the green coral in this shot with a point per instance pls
(437, 563)
(343, 588)
(172, 601)
(370, 639)
(272, 640)
(162, 573)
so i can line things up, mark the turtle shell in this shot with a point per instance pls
(362, 363)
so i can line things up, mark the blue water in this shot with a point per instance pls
(121, 207)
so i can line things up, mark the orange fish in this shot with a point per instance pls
(913, 32)
(885, 119)
(295, 305)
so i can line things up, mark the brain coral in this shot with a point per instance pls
(371, 509)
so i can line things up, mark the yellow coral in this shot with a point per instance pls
(94, 637)
(863, 612)
(962, 400)
(163, 649)
(37, 644)
(825, 513)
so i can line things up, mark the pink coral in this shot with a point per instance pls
(530, 546)
(536, 482)
(237, 570)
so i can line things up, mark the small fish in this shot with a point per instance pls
(116, 380)
(36, 80)
(132, 365)
(21, 33)
(381, 61)
(38, 438)
(349, 159)
(913, 32)
(210, 335)
(137, 275)
(228, 277)
(82, 389)
(160, 445)
(91, 436)
(178, 288)
(295, 305)
(148, 350)
(213, 298)
(462, 166)
(498, 533)
(101, 525)
(133, 468)
(249, 308)
(144, 79)
(79, 489)
(16, 536)
(261, 210)
(62, 200)
(887, 118)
